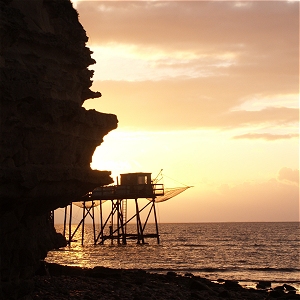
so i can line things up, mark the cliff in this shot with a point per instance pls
(47, 138)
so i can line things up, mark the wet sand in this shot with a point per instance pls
(62, 282)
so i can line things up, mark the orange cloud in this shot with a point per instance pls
(184, 104)
(186, 25)
(289, 175)
(192, 63)
(263, 33)
(266, 136)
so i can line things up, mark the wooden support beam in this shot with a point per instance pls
(116, 230)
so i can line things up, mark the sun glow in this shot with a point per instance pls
(208, 93)
(128, 151)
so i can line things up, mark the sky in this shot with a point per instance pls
(208, 91)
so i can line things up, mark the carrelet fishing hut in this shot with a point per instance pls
(113, 225)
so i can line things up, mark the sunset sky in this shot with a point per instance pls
(208, 91)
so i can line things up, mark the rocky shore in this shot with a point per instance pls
(58, 282)
(47, 139)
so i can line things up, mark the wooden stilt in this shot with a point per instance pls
(70, 224)
(155, 219)
(123, 221)
(93, 218)
(118, 221)
(101, 224)
(111, 228)
(65, 220)
(82, 228)
(140, 234)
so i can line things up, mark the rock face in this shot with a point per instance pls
(47, 138)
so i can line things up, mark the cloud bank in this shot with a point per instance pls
(289, 175)
(190, 64)
(266, 136)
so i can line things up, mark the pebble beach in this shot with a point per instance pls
(57, 282)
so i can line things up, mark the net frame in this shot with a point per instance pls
(170, 193)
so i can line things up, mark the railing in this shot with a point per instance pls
(158, 189)
(128, 191)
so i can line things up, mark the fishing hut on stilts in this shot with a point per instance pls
(113, 226)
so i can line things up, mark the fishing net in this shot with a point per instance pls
(170, 193)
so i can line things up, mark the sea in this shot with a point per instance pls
(245, 252)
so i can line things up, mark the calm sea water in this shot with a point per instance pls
(247, 252)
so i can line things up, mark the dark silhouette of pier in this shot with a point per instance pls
(113, 227)
(133, 187)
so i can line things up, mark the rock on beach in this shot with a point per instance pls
(64, 282)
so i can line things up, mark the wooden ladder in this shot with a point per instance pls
(124, 213)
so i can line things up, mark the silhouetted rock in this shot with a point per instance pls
(279, 288)
(47, 138)
(42, 270)
(263, 285)
(232, 285)
(102, 272)
(276, 294)
(289, 287)
(292, 292)
(197, 285)
(224, 294)
(171, 273)
(58, 270)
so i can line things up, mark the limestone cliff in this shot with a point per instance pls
(47, 138)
